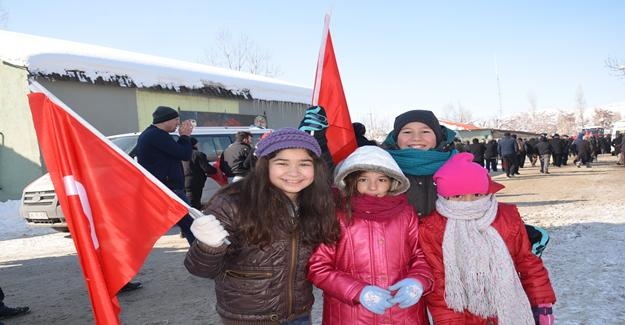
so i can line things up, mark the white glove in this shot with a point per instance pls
(209, 230)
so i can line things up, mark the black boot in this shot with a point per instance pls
(131, 286)
(6, 311)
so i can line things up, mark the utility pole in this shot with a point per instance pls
(499, 118)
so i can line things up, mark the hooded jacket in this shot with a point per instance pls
(508, 223)
(373, 250)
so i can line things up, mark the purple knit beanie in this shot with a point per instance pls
(287, 138)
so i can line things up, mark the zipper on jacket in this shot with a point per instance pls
(292, 267)
(248, 275)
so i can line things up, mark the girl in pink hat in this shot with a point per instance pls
(484, 269)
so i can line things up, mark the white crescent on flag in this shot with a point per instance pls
(72, 187)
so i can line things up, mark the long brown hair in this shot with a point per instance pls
(351, 190)
(265, 210)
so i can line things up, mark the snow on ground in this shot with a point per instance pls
(12, 225)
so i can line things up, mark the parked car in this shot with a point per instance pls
(40, 207)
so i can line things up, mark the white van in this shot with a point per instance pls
(618, 127)
(40, 207)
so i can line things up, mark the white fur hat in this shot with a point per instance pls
(375, 159)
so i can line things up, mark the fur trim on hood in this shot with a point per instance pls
(375, 159)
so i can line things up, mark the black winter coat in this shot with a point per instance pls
(196, 170)
(422, 194)
(478, 150)
(543, 148)
(233, 159)
(556, 146)
(491, 150)
(161, 155)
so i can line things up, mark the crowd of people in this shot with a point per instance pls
(549, 150)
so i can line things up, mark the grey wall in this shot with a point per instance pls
(20, 160)
(111, 110)
(279, 114)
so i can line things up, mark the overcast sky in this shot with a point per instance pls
(393, 55)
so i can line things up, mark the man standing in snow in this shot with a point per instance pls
(162, 156)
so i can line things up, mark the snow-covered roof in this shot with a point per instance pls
(457, 126)
(60, 59)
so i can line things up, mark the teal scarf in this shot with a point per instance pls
(420, 162)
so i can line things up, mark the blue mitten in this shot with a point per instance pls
(375, 299)
(315, 119)
(409, 292)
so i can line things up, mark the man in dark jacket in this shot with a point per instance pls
(196, 171)
(477, 149)
(490, 155)
(543, 147)
(233, 158)
(556, 149)
(530, 151)
(566, 146)
(162, 156)
(521, 153)
(507, 149)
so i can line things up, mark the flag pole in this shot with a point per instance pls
(320, 60)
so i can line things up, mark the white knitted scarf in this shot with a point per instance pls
(479, 272)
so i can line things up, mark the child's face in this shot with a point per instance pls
(374, 184)
(416, 135)
(291, 170)
(466, 197)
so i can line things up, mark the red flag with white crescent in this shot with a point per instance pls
(115, 210)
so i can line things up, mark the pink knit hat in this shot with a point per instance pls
(460, 175)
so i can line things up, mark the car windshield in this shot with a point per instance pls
(126, 143)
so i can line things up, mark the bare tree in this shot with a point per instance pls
(616, 66)
(457, 113)
(4, 16)
(545, 122)
(240, 55)
(581, 105)
(566, 123)
(377, 126)
(533, 100)
(604, 118)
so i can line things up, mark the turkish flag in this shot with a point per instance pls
(115, 209)
(328, 93)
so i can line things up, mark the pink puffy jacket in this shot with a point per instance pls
(370, 251)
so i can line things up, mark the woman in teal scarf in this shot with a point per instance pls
(418, 143)
(420, 146)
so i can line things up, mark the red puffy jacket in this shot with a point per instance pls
(509, 225)
(371, 251)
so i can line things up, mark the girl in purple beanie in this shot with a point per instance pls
(273, 219)
(483, 265)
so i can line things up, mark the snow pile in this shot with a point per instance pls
(12, 225)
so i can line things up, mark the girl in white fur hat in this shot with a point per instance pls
(376, 273)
